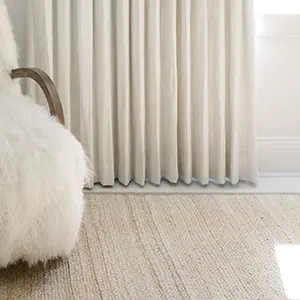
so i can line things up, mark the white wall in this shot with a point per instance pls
(277, 86)
(278, 94)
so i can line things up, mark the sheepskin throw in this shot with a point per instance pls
(42, 173)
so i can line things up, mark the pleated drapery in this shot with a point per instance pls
(153, 88)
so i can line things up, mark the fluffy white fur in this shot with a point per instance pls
(8, 53)
(42, 173)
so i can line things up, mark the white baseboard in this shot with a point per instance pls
(279, 174)
(280, 155)
(271, 184)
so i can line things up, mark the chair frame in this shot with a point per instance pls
(48, 87)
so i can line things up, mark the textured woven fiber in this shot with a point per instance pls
(168, 247)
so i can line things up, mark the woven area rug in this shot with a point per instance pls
(173, 247)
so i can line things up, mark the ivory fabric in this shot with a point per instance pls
(173, 247)
(42, 174)
(153, 89)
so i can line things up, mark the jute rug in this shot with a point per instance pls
(170, 247)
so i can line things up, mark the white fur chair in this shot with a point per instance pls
(42, 166)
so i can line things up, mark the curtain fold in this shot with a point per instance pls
(153, 89)
(104, 114)
(137, 59)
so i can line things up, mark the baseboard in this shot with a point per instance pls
(271, 184)
(280, 155)
(279, 174)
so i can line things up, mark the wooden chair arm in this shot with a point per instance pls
(48, 87)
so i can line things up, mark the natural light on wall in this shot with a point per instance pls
(277, 7)
(288, 259)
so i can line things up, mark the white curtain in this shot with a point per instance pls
(153, 88)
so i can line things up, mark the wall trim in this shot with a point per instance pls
(277, 35)
(279, 175)
(279, 156)
(278, 138)
(265, 185)
(288, 141)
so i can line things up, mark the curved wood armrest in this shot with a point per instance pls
(48, 87)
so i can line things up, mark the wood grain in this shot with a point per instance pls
(48, 87)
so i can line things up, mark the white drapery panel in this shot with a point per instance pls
(153, 88)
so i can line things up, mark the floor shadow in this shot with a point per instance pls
(24, 278)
